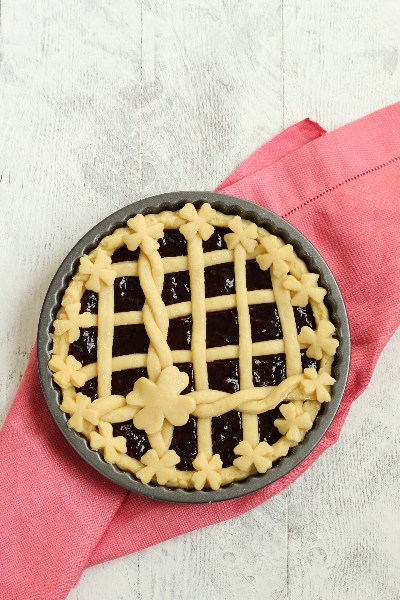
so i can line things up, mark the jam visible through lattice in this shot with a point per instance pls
(221, 329)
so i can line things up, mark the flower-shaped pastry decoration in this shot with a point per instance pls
(111, 446)
(304, 289)
(162, 468)
(319, 341)
(246, 236)
(295, 422)
(317, 382)
(80, 411)
(73, 322)
(277, 257)
(260, 456)
(145, 233)
(99, 270)
(67, 373)
(207, 471)
(197, 222)
(161, 400)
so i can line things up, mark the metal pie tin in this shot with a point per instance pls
(228, 205)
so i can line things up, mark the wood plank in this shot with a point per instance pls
(68, 150)
(340, 62)
(211, 89)
(241, 558)
(343, 528)
(340, 59)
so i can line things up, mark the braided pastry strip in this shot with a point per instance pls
(155, 315)
(251, 401)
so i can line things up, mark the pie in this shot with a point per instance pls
(193, 348)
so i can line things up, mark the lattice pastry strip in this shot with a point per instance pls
(241, 241)
(156, 403)
(195, 230)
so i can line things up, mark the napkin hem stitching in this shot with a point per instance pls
(335, 187)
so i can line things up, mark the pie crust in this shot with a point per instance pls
(156, 403)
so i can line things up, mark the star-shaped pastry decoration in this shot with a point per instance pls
(317, 382)
(161, 400)
(304, 289)
(319, 341)
(98, 269)
(80, 410)
(111, 446)
(275, 256)
(207, 471)
(73, 322)
(197, 222)
(295, 422)
(163, 468)
(145, 233)
(67, 373)
(246, 236)
(260, 456)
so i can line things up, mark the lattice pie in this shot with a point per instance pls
(193, 348)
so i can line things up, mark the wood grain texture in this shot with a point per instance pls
(106, 102)
(346, 542)
(221, 562)
(210, 97)
(340, 59)
(69, 154)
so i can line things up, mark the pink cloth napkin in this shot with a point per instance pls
(342, 190)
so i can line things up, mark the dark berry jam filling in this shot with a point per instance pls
(176, 288)
(125, 255)
(221, 329)
(184, 442)
(308, 363)
(128, 295)
(130, 339)
(136, 440)
(304, 317)
(172, 244)
(269, 370)
(180, 333)
(184, 438)
(265, 322)
(223, 375)
(89, 302)
(266, 428)
(216, 241)
(90, 389)
(85, 348)
(226, 434)
(256, 279)
(219, 280)
(122, 382)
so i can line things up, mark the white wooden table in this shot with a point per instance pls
(109, 101)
